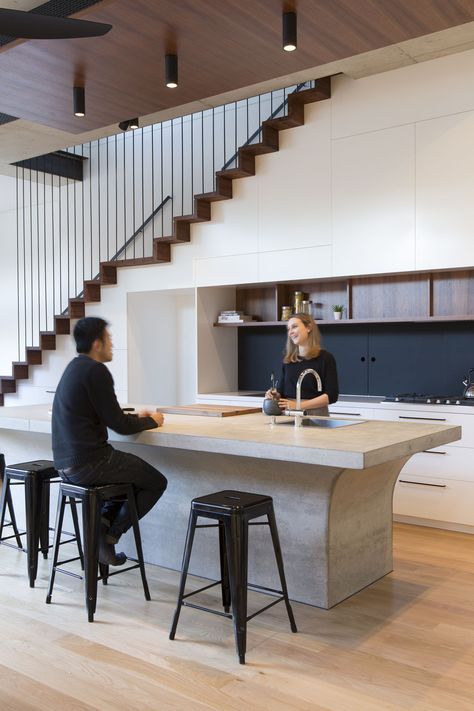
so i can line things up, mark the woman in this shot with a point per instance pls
(303, 350)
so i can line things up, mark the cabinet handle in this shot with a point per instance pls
(430, 451)
(422, 483)
(434, 419)
(349, 414)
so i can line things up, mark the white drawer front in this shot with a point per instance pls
(453, 502)
(342, 410)
(443, 463)
(436, 416)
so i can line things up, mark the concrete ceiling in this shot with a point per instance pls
(46, 124)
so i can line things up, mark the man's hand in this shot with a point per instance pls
(157, 416)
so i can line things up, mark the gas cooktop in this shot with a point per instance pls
(423, 399)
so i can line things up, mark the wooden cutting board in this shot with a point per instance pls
(208, 410)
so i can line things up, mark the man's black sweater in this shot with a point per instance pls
(84, 406)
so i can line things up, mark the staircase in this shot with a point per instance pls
(245, 166)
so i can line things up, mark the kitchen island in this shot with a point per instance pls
(332, 490)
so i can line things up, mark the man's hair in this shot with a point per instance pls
(86, 331)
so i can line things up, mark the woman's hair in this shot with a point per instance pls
(87, 330)
(314, 340)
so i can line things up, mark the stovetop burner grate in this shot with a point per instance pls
(429, 399)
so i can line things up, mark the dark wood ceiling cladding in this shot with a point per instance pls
(222, 45)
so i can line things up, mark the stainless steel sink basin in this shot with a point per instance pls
(308, 421)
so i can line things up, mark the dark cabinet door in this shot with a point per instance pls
(349, 346)
(426, 358)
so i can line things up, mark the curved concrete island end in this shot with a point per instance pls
(332, 490)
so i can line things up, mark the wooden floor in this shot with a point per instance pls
(406, 642)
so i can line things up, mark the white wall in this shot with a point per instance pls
(379, 179)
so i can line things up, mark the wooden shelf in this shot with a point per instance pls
(321, 322)
(415, 297)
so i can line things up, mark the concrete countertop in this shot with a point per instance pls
(368, 443)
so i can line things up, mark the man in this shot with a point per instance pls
(84, 406)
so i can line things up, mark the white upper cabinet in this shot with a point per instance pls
(444, 192)
(374, 202)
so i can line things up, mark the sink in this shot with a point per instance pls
(307, 421)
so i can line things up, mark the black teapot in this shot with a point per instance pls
(469, 389)
(271, 407)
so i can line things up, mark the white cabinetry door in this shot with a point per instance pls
(436, 485)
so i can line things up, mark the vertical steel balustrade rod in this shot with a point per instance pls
(107, 226)
(143, 198)
(53, 257)
(124, 198)
(153, 182)
(31, 260)
(24, 262)
(75, 235)
(162, 187)
(99, 234)
(133, 190)
(17, 203)
(116, 195)
(46, 319)
(82, 217)
(38, 284)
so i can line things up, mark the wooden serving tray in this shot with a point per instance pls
(208, 410)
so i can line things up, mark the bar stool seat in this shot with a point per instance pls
(36, 477)
(91, 498)
(233, 511)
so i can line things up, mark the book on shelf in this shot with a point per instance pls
(233, 318)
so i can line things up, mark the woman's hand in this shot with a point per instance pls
(272, 394)
(286, 404)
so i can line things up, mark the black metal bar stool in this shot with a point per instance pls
(233, 510)
(36, 478)
(91, 498)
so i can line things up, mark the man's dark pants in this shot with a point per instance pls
(120, 468)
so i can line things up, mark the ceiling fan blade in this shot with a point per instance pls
(29, 25)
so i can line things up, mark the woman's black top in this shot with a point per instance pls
(324, 365)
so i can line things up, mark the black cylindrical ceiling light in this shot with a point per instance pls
(134, 123)
(171, 71)
(79, 101)
(289, 31)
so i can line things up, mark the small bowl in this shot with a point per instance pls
(271, 407)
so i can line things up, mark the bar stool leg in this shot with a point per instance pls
(224, 569)
(188, 546)
(11, 513)
(132, 505)
(236, 544)
(77, 530)
(44, 492)
(91, 527)
(33, 516)
(279, 561)
(7, 502)
(56, 543)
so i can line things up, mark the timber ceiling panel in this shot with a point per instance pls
(223, 45)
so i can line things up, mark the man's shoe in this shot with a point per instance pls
(107, 554)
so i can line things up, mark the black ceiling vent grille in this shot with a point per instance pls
(55, 8)
(6, 118)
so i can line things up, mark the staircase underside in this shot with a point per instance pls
(181, 229)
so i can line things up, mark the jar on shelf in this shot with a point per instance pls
(298, 298)
(285, 313)
(305, 307)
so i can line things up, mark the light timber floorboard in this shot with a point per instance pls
(405, 642)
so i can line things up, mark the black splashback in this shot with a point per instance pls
(375, 359)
